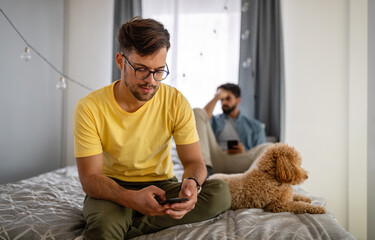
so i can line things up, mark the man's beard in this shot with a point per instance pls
(137, 95)
(227, 111)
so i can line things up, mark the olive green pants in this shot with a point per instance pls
(108, 220)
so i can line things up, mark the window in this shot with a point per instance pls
(205, 43)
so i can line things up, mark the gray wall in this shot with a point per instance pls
(30, 105)
(371, 123)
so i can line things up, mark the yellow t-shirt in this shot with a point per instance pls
(136, 146)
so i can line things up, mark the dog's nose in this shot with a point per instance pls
(306, 177)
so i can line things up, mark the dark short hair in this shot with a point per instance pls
(144, 36)
(233, 88)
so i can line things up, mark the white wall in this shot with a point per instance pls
(88, 59)
(325, 82)
(357, 118)
(30, 105)
(371, 122)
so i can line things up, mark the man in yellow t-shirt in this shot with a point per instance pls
(123, 142)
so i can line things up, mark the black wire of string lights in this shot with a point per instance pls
(61, 84)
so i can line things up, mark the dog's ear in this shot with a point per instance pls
(285, 170)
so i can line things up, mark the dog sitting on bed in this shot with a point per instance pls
(269, 184)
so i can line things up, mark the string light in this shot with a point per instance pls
(246, 63)
(245, 35)
(26, 56)
(61, 84)
(245, 7)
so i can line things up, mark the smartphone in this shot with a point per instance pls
(232, 143)
(174, 200)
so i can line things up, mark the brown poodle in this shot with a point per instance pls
(268, 185)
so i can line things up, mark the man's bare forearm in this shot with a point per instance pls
(191, 158)
(209, 108)
(196, 170)
(101, 187)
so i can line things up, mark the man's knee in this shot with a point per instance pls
(103, 226)
(218, 196)
(107, 222)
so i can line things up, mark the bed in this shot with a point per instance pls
(49, 206)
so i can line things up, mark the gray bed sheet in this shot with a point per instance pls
(49, 206)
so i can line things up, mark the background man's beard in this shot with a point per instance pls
(228, 111)
(137, 95)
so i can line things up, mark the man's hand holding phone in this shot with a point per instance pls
(235, 147)
(179, 207)
(144, 202)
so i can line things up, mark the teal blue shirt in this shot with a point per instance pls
(250, 131)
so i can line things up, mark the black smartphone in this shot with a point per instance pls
(174, 200)
(232, 143)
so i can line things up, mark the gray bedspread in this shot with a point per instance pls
(49, 206)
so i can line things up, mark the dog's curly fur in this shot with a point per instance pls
(268, 186)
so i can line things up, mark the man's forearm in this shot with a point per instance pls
(195, 170)
(101, 187)
(209, 108)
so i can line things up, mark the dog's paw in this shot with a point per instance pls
(317, 210)
(302, 198)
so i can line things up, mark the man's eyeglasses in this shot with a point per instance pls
(143, 73)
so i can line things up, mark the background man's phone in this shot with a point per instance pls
(232, 143)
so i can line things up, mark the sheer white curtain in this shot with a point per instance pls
(205, 43)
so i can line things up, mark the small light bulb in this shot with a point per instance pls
(61, 84)
(246, 63)
(245, 7)
(26, 56)
(245, 35)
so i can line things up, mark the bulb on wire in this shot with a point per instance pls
(61, 84)
(245, 7)
(246, 63)
(26, 56)
(245, 35)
